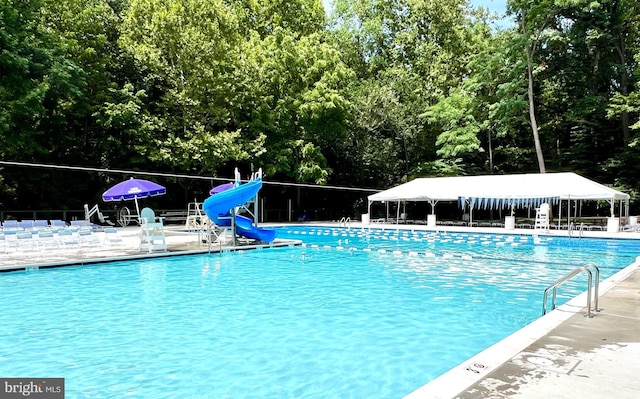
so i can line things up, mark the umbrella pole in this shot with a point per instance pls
(137, 208)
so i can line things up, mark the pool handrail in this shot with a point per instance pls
(554, 287)
(572, 227)
(345, 222)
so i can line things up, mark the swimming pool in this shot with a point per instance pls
(352, 313)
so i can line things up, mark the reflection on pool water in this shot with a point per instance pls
(351, 313)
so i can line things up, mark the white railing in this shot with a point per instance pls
(345, 222)
(95, 211)
(572, 227)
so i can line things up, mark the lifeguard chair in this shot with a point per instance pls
(152, 231)
(542, 217)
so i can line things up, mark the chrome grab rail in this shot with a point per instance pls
(554, 288)
(572, 227)
(344, 221)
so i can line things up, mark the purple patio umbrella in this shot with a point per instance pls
(221, 188)
(133, 189)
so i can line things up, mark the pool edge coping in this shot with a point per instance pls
(142, 255)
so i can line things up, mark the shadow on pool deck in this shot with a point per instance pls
(561, 355)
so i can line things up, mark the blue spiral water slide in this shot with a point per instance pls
(218, 207)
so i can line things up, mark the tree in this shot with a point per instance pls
(533, 18)
(418, 51)
(190, 51)
(460, 127)
(36, 82)
(302, 17)
(297, 102)
(38, 87)
(621, 30)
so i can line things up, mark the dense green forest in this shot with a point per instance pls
(377, 93)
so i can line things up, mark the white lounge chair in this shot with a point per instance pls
(26, 243)
(46, 240)
(11, 225)
(630, 227)
(40, 224)
(26, 224)
(67, 239)
(4, 245)
(87, 238)
(111, 236)
(58, 223)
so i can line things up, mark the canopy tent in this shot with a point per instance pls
(501, 191)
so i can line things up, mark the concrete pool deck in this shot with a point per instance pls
(563, 354)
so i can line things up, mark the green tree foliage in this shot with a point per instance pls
(461, 129)
(240, 81)
(302, 17)
(109, 116)
(625, 104)
(579, 54)
(37, 82)
(483, 116)
(387, 90)
(412, 52)
(301, 108)
(188, 51)
(533, 19)
(39, 85)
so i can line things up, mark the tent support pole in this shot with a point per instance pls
(612, 202)
(626, 211)
(559, 213)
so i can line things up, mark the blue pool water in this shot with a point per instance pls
(351, 314)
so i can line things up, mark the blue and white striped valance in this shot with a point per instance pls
(501, 203)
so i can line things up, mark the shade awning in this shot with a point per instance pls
(498, 191)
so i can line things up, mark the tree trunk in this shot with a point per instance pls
(624, 90)
(532, 113)
(490, 152)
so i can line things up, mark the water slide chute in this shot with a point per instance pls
(227, 197)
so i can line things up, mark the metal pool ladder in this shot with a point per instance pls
(554, 287)
(573, 227)
(345, 221)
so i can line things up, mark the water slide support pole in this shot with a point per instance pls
(233, 226)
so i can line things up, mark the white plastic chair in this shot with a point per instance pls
(26, 242)
(87, 238)
(67, 239)
(4, 245)
(112, 237)
(46, 240)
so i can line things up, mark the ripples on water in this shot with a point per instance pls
(354, 314)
